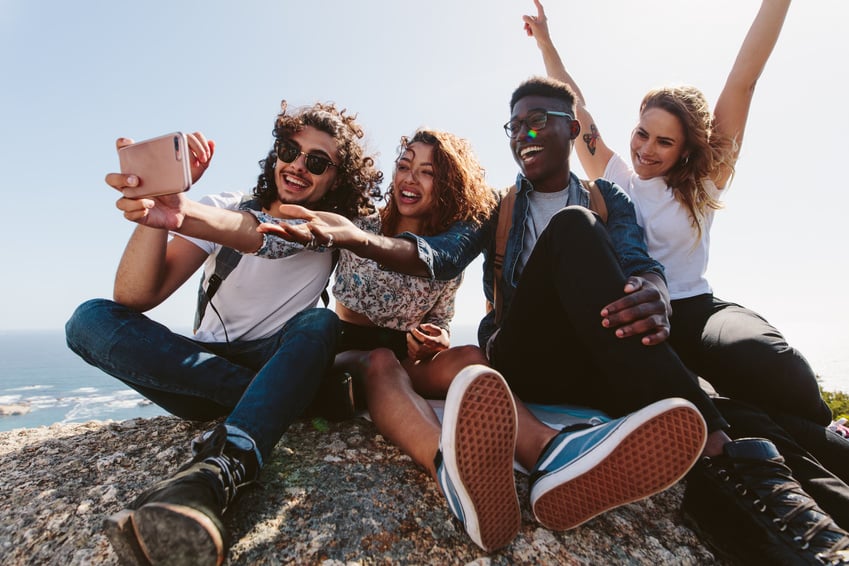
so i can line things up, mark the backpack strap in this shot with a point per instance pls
(226, 261)
(502, 231)
(597, 203)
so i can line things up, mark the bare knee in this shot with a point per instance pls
(381, 364)
(467, 355)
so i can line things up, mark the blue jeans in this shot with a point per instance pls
(261, 385)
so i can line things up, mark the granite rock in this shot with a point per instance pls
(331, 494)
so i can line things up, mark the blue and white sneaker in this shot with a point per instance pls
(474, 464)
(583, 473)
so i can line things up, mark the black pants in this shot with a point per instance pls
(818, 458)
(552, 347)
(745, 358)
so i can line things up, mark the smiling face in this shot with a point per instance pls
(295, 183)
(413, 190)
(544, 154)
(657, 143)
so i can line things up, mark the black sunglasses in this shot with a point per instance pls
(316, 164)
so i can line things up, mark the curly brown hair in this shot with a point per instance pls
(706, 151)
(458, 181)
(358, 181)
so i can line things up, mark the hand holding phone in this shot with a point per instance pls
(162, 165)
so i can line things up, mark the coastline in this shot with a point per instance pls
(56, 386)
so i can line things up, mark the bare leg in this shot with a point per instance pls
(533, 437)
(432, 378)
(398, 412)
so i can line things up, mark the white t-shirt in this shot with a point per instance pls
(670, 235)
(260, 295)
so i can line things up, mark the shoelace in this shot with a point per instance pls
(232, 475)
(763, 472)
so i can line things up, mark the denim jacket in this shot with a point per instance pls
(448, 253)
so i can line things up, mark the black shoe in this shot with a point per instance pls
(750, 510)
(179, 520)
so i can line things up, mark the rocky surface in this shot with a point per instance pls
(332, 494)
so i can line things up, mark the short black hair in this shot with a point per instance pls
(544, 86)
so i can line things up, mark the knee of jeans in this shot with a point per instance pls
(86, 317)
(319, 320)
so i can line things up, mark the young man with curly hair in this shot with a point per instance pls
(258, 354)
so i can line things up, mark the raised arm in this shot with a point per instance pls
(153, 267)
(732, 107)
(592, 151)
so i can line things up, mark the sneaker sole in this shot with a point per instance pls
(175, 534)
(122, 536)
(479, 455)
(649, 453)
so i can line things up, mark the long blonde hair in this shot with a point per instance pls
(706, 151)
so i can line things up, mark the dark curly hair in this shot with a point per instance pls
(358, 181)
(458, 182)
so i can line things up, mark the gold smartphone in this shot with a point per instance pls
(161, 164)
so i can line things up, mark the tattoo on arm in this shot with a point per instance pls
(591, 139)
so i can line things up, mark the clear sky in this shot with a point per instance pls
(77, 75)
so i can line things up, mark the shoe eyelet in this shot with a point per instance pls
(759, 505)
(782, 526)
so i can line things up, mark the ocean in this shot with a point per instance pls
(47, 383)
(51, 384)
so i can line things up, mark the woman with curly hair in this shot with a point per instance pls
(395, 338)
(682, 162)
(437, 181)
(257, 363)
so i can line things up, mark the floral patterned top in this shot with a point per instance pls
(390, 299)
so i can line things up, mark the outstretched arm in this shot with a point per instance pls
(732, 107)
(443, 256)
(592, 151)
(331, 229)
